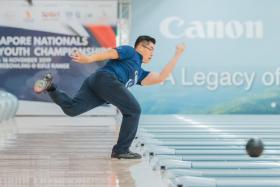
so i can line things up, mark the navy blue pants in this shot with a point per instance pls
(97, 89)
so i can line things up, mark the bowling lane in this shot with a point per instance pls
(204, 150)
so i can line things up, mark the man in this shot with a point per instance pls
(110, 84)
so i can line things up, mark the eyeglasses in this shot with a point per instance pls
(149, 48)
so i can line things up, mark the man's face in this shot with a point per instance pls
(147, 50)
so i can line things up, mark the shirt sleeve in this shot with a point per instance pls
(143, 75)
(125, 52)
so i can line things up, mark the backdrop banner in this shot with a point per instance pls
(38, 39)
(231, 64)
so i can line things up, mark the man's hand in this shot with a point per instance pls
(180, 48)
(155, 78)
(80, 58)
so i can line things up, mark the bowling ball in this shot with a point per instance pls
(254, 147)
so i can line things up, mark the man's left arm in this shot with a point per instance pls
(155, 77)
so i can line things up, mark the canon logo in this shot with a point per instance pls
(176, 27)
(50, 14)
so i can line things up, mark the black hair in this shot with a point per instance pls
(144, 38)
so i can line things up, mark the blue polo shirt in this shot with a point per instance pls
(128, 67)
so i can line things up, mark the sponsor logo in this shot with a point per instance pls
(28, 16)
(132, 82)
(79, 15)
(10, 16)
(50, 15)
(177, 28)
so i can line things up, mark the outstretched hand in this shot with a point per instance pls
(80, 58)
(180, 48)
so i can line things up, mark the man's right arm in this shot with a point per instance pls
(84, 59)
